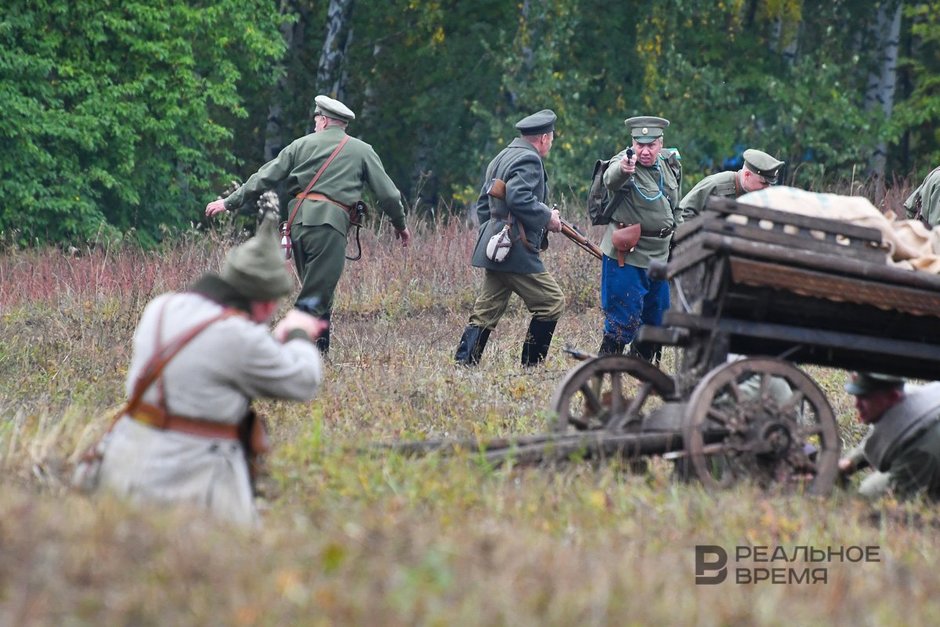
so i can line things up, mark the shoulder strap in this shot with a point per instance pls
(313, 181)
(162, 357)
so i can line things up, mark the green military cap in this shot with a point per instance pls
(759, 162)
(537, 123)
(332, 108)
(868, 382)
(646, 129)
(256, 268)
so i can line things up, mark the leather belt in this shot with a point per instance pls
(153, 416)
(316, 196)
(662, 233)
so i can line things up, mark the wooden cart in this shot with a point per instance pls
(755, 292)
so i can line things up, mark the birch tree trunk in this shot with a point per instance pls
(882, 82)
(331, 79)
(293, 34)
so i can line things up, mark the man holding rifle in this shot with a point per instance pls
(514, 225)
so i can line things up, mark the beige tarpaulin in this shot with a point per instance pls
(910, 244)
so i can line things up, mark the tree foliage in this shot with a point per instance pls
(112, 108)
(128, 116)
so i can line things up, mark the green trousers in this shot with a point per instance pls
(540, 293)
(320, 255)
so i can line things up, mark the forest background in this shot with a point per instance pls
(122, 119)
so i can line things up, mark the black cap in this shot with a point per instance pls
(537, 123)
(868, 382)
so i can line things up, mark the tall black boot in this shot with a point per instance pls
(537, 340)
(323, 342)
(650, 351)
(472, 343)
(610, 345)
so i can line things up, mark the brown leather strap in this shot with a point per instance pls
(319, 196)
(162, 357)
(153, 416)
(313, 181)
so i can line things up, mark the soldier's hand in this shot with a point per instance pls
(214, 207)
(627, 164)
(554, 222)
(405, 236)
(296, 319)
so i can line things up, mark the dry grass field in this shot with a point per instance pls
(359, 537)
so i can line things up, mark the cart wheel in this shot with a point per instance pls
(765, 420)
(608, 392)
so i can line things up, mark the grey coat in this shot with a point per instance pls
(521, 167)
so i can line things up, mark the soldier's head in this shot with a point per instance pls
(874, 394)
(647, 133)
(760, 170)
(539, 130)
(331, 112)
(257, 272)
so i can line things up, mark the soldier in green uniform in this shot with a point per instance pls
(924, 203)
(760, 170)
(903, 443)
(323, 218)
(522, 207)
(648, 183)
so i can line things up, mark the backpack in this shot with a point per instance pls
(601, 202)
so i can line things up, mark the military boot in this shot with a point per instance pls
(323, 342)
(472, 343)
(650, 351)
(610, 345)
(537, 340)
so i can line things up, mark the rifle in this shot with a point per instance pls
(571, 232)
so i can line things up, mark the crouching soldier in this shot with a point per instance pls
(903, 444)
(199, 358)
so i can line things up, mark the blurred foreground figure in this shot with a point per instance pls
(199, 358)
(903, 444)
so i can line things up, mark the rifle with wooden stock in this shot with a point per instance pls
(571, 232)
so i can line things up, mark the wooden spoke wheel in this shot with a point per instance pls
(609, 392)
(763, 420)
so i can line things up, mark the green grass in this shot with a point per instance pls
(354, 535)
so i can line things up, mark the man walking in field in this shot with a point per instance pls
(325, 173)
(199, 358)
(759, 171)
(924, 202)
(512, 199)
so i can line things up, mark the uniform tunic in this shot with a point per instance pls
(723, 184)
(905, 444)
(929, 195)
(212, 378)
(520, 166)
(628, 296)
(320, 228)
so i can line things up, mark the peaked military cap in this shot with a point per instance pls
(537, 123)
(256, 268)
(759, 162)
(332, 108)
(867, 382)
(645, 129)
